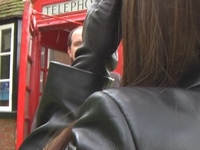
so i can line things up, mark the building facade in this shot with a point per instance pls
(10, 36)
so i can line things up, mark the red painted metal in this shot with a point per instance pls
(55, 39)
(62, 22)
(119, 68)
(34, 76)
(22, 74)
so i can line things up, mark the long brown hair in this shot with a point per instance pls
(60, 141)
(160, 40)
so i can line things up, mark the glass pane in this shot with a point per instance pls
(42, 57)
(59, 56)
(41, 80)
(4, 93)
(28, 71)
(6, 40)
(5, 67)
(30, 46)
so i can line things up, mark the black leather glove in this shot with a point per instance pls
(101, 37)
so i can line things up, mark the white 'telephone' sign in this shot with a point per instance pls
(69, 6)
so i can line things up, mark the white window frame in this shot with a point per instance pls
(11, 53)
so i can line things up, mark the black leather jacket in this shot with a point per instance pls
(132, 118)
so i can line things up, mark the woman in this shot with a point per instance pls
(158, 106)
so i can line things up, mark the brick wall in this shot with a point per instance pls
(7, 134)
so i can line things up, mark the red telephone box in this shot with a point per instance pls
(45, 28)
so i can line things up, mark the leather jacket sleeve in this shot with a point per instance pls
(65, 90)
(101, 37)
(101, 126)
(131, 118)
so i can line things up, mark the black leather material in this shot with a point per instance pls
(139, 118)
(191, 80)
(101, 37)
(134, 118)
(127, 118)
(97, 54)
(66, 89)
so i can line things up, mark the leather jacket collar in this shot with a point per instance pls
(192, 80)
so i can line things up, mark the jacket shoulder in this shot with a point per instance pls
(169, 116)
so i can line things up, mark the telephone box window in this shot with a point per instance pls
(6, 66)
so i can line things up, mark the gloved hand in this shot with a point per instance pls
(101, 37)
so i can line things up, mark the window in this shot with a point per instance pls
(6, 66)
